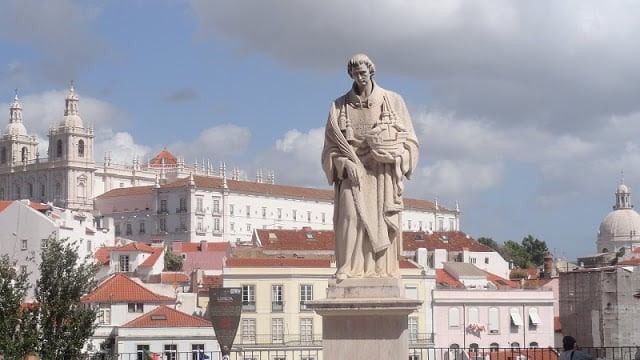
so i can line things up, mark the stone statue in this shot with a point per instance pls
(369, 146)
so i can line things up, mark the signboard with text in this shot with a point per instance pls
(225, 306)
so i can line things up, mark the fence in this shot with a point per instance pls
(415, 353)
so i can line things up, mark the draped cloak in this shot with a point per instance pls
(367, 215)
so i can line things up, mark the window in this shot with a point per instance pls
(516, 319)
(308, 216)
(81, 148)
(324, 217)
(277, 330)
(23, 269)
(200, 225)
(534, 318)
(515, 345)
(486, 260)
(248, 298)
(124, 263)
(163, 207)
(42, 192)
(136, 307)
(413, 329)
(216, 205)
(533, 345)
(420, 225)
(142, 352)
(440, 224)
(104, 314)
(58, 191)
(231, 209)
(199, 205)
(129, 229)
(142, 227)
(171, 351)
(276, 298)
(232, 226)
(414, 357)
(23, 154)
(183, 205)
(3, 155)
(474, 317)
(306, 329)
(454, 317)
(249, 227)
(452, 225)
(279, 213)
(30, 190)
(248, 331)
(264, 212)
(494, 347)
(216, 224)
(248, 210)
(59, 148)
(294, 215)
(163, 224)
(473, 347)
(409, 224)
(472, 260)
(306, 294)
(23, 244)
(197, 352)
(44, 243)
(411, 292)
(494, 321)
(89, 247)
(117, 229)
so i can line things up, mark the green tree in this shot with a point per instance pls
(516, 253)
(172, 261)
(13, 287)
(490, 243)
(537, 249)
(64, 323)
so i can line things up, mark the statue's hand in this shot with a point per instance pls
(351, 169)
(382, 156)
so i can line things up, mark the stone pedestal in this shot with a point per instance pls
(365, 319)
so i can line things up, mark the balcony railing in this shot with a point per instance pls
(277, 306)
(284, 339)
(249, 306)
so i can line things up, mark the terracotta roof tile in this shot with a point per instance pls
(103, 254)
(212, 281)
(502, 283)
(304, 239)
(34, 205)
(634, 261)
(155, 255)
(136, 247)
(119, 288)
(173, 277)
(455, 241)
(127, 191)
(164, 157)
(166, 317)
(445, 280)
(279, 262)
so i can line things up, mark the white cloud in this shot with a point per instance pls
(121, 148)
(221, 143)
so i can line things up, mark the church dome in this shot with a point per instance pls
(620, 224)
(71, 114)
(15, 128)
(71, 121)
(622, 189)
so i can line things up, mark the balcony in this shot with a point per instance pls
(181, 210)
(163, 212)
(277, 306)
(249, 306)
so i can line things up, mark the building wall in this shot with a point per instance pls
(128, 340)
(449, 330)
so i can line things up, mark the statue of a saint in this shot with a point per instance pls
(369, 146)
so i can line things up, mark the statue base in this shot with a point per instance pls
(365, 318)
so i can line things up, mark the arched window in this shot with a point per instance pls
(18, 192)
(454, 347)
(474, 317)
(81, 148)
(533, 345)
(59, 148)
(473, 347)
(24, 154)
(30, 190)
(494, 321)
(494, 347)
(515, 345)
(3, 155)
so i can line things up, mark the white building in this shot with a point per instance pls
(205, 208)
(27, 226)
(621, 227)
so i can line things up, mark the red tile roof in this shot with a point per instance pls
(502, 283)
(136, 247)
(278, 262)
(212, 281)
(444, 279)
(103, 254)
(195, 258)
(166, 317)
(127, 191)
(632, 262)
(173, 277)
(119, 288)
(304, 239)
(169, 158)
(34, 205)
(455, 241)
(155, 255)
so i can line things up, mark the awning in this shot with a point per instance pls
(516, 319)
(534, 318)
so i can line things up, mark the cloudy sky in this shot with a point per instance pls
(527, 111)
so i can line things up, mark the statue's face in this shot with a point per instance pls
(361, 75)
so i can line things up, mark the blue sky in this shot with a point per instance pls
(527, 112)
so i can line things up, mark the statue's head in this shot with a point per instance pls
(358, 60)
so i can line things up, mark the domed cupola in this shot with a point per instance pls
(15, 125)
(71, 114)
(621, 227)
